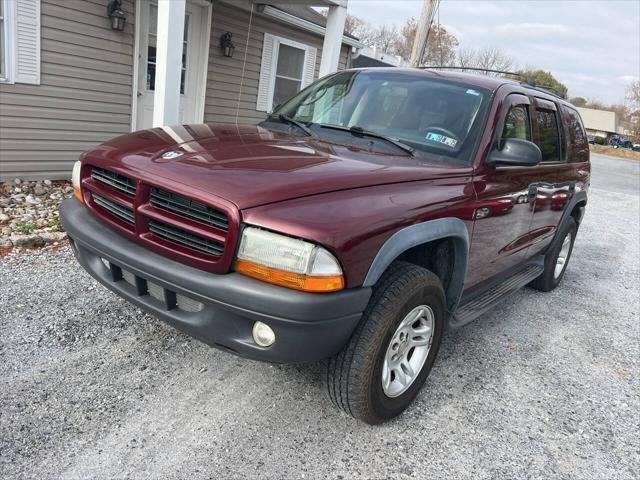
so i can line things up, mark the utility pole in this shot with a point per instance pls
(422, 32)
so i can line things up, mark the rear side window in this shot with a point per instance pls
(549, 135)
(577, 136)
(517, 124)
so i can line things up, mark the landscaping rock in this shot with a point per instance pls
(29, 212)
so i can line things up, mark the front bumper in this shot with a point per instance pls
(220, 310)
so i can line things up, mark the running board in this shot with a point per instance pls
(479, 304)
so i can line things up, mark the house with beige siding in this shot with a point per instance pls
(69, 81)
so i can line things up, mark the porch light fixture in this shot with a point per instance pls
(227, 45)
(116, 15)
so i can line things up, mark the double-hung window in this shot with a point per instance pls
(5, 45)
(287, 67)
(20, 41)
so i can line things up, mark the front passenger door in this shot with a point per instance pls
(504, 199)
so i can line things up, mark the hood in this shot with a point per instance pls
(251, 166)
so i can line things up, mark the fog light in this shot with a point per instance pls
(263, 335)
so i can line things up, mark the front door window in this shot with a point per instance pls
(151, 50)
(516, 125)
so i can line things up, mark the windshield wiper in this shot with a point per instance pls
(359, 131)
(291, 121)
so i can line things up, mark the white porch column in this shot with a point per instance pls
(333, 38)
(166, 100)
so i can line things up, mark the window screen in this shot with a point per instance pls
(289, 73)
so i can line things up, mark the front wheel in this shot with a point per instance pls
(382, 368)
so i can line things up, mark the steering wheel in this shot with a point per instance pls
(443, 131)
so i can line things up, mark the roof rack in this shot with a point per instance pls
(547, 89)
(527, 80)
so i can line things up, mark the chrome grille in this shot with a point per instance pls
(185, 238)
(119, 211)
(115, 180)
(188, 208)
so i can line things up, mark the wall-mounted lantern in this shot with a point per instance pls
(116, 15)
(227, 45)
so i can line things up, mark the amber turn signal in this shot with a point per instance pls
(75, 181)
(296, 281)
(78, 194)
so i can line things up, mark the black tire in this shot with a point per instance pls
(354, 376)
(547, 280)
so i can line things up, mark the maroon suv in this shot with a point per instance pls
(366, 215)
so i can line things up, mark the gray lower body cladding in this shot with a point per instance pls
(220, 310)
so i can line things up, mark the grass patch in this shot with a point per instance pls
(615, 152)
(56, 225)
(26, 227)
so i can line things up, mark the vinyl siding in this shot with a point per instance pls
(84, 96)
(224, 75)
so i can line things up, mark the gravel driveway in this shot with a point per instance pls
(544, 386)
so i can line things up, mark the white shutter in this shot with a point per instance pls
(266, 74)
(309, 66)
(27, 65)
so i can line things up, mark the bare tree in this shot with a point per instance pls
(386, 38)
(441, 47)
(441, 44)
(633, 96)
(406, 37)
(488, 58)
(466, 57)
(360, 29)
(492, 58)
(633, 101)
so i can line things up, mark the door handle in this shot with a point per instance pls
(532, 193)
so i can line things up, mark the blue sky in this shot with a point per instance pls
(593, 47)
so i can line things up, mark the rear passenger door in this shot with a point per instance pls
(551, 193)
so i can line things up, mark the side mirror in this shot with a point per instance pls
(516, 152)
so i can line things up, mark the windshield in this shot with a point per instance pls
(430, 115)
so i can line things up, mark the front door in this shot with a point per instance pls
(505, 201)
(193, 69)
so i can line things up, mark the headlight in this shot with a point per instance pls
(75, 180)
(288, 262)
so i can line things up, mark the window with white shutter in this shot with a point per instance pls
(20, 41)
(287, 67)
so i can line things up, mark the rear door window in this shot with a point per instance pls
(577, 135)
(549, 134)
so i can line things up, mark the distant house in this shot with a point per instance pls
(373, 57)
(69, 81)
(600, 123)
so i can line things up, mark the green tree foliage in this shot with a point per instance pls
(578, 101)
(544, 79)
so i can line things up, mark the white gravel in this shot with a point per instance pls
(544, 386)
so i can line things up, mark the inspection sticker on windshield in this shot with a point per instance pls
(436, 137)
